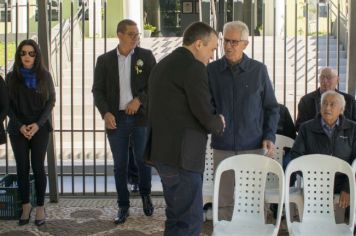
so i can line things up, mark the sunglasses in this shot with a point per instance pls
(30, 53)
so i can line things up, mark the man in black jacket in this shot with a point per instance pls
(330, 133)
(120, 94)
(309, 104)
(180, 116)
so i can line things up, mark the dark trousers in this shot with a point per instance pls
(132, 169)
(127, 131)
(182, 191)
(34, 150)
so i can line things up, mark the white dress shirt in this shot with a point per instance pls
(124, 64)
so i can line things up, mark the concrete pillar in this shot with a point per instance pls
(43, 41)
(22, 16)
(351, 50)
(97, 19)
(134, 11)
(270, 5)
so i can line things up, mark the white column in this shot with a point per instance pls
(22, 16)
(97, 19)
(134, 11)
(280, 18)
(269, 7)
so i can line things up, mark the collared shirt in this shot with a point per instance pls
(124, 65)
(327, 129)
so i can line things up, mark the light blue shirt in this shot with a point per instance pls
(327, 129)
(125, 79)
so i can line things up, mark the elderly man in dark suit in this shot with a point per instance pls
(180, 116)
(309, 104)
(120, 94)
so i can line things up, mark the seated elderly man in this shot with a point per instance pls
(309, 104)
(329, 133)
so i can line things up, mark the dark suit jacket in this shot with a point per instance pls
(4, 107)
(309, 107)
(180, 112)
(106, 86)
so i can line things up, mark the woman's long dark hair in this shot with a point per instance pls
(38, 67)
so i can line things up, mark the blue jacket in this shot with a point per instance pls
(244, 95)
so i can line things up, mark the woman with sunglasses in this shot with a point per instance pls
(31, 100)
(4, 106)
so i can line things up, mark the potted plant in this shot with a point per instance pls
(148, 29)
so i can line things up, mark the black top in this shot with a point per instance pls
(180, 111)
(28, 105)
(4, 106)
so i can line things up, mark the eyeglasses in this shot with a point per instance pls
(133, 35)
(30, 53)
(232, 42)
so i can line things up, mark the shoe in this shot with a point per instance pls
(147, 205)
(25, 221)
(134, 188)
(41, 221)
(122, 215)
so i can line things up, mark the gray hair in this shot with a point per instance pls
(336, 95)
(328, 72)
(239, 26)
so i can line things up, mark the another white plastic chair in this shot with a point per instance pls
(318, 177)
(271, 194)
(250, 180)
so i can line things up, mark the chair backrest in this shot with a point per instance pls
(318, 176)
(281, 143)
(250, 180)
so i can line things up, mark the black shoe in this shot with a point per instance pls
(40, 222)
(147, 205)
(25, 221)
(134, 188)
(122, 215)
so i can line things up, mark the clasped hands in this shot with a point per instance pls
(29, 130)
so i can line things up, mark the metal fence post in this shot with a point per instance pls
(351, 50)
(43, 41)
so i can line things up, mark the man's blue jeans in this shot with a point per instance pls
(182, 191)
(119, 143)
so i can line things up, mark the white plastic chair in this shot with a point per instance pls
(250, 180)
(318, 177)
(271, 194)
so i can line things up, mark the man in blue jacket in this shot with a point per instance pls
(242, 92)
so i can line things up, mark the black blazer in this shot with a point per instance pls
(4, 106)
(180, 112)
(27, 106)
(106, 86)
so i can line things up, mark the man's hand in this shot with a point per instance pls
(32, 129)
(344, 200)
(269, 147)
(133, 106)
(110, 121)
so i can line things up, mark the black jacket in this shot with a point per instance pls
(4, 107)
(285, 124)
(312, 139)
(309, 107)
(180, 112)
(106, 86)
(28, 106)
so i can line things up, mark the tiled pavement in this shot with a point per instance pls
(86, 216)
